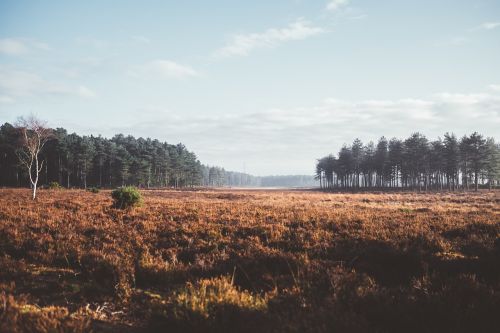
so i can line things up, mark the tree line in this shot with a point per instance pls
(214, 176)
(82, 161)
(413, 163)
(78, 161)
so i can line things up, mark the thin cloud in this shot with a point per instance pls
(164, 68)
(20, 46)
(6, 99)
(494, 87)
(490, 25)
(335, 5)
(12, 47)
(243, 44)
(22, 84)
(487, 26)
(86, 92)
(141, 39)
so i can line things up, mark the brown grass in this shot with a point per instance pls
(247, 261)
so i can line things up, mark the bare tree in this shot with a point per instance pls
(34, 134)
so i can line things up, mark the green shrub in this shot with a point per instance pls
(126, 197)
(54, 186)
(93, 189)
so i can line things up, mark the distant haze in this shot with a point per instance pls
(260, 87)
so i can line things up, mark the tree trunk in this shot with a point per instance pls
(60, 169)
(100, 172)
(476, 181)
(35, 181)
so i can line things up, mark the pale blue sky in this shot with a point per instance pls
(271, 85)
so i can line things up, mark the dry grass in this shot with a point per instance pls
(250, 261)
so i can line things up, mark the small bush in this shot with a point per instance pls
(93, 189)
(126, 197)
(213, 305)
(54, 186)
(207, 297)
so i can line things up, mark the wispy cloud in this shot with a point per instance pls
(461, 40)
(20, 46)
(86, 92)
(12, 47)
(488, 26)
(164, 68)
(334, 5)
(243, 44)
(16, 84)
(6, 99)
(494, 87)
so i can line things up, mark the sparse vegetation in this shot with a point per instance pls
(265, 261)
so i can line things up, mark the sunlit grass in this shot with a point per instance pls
(283, 260)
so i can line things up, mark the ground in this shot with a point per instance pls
(239, 260)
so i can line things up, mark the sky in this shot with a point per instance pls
(264, 87)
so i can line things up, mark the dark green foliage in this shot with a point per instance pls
(126, 197)
(93, 161)
(414, 163)
(93, 189)
(10, 170)
(54, 186)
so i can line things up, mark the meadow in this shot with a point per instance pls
(239, 260)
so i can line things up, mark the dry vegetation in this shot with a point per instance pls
(250, 261)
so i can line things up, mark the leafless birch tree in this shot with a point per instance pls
(34, 134)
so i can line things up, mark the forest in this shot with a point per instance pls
(75, 161)
(82, 161)
(93, 161)
(414, 163)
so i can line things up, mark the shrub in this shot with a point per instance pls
(93, 189)
(126, 197)
(207, 297)
(54, 186)
(211, 305)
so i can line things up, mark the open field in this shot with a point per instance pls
(250, 261)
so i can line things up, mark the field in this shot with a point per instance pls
(246, 261)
